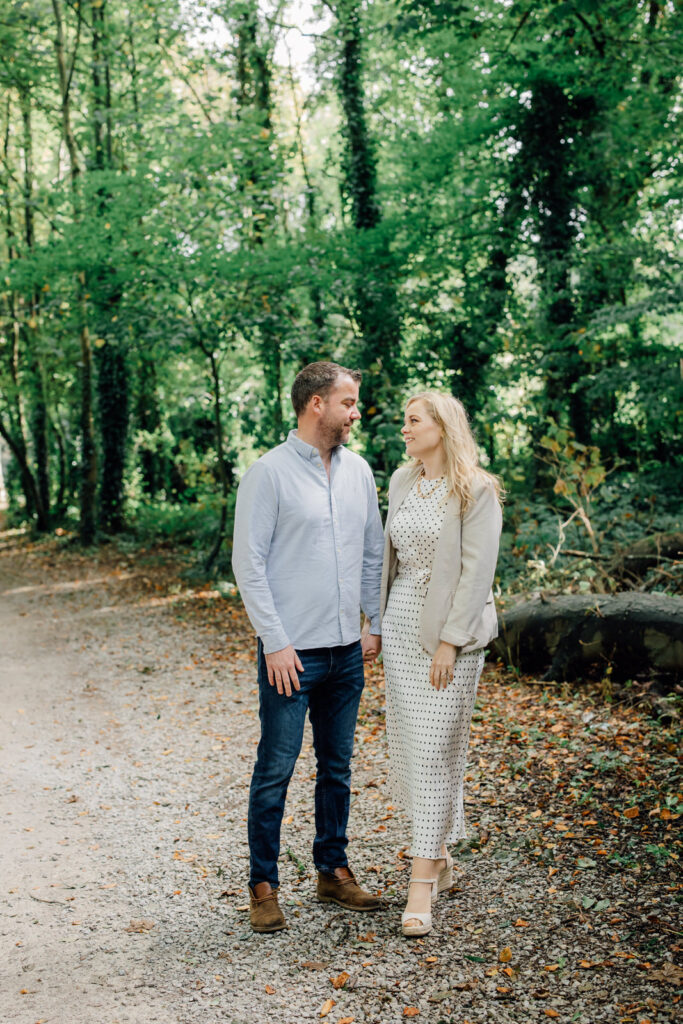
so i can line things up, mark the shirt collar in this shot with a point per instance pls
(305, 449)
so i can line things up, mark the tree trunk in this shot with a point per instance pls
(112, 395)
(225, 472)
(36, 492)
(579, 635)
(255, 102)
(88, 489)
(376, 300)
(38, 405)
(111, 361)
(149, 420)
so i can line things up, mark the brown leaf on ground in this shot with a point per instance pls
(270, 990)
(140, 926)
(670, 973)
(505, 955)
(410, 1011)
(326, 1007)
(632, 812)
(340, 980)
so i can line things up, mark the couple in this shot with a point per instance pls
(308, 554)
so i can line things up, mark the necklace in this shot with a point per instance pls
(436, 480)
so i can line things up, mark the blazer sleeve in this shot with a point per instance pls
(481, 526)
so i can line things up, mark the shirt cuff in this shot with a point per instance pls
(274, 642)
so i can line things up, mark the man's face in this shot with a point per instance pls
(339, 411)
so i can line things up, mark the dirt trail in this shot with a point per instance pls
(92, 798)
(127, 733)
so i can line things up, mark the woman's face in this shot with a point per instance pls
(421, 433)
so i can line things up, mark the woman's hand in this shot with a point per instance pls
(443, 662)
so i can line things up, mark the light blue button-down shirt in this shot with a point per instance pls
(307, 551)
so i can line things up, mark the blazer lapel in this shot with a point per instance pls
(401, 488)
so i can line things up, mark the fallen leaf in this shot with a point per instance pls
(551, 1013)
(370, 937)
(438, 997)
(340, 980)
(410, 1011)
(270, 990)
(346, 1020)
(505, 955)
(521, 923)
(588, 963)
(551, 967)
(140, 926)
(316, 965)
(632, 812)
(670, 973)
(326, 1007)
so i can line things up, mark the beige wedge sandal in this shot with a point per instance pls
(424, 925)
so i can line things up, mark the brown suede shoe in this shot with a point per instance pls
(343, 889)
(264, 912)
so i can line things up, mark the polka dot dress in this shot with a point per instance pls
(427, 729)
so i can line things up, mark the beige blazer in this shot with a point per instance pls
(459, 604)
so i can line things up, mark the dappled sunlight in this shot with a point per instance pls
(70, 586)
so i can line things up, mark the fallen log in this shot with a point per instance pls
(659, 549)
(570, 637)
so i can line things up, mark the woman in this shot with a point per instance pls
(441, 546)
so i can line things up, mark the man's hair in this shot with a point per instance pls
(318, 379)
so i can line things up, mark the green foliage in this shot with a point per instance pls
(479, 197)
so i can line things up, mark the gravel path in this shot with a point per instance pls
(126, 746)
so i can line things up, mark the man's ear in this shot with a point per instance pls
(316, 404)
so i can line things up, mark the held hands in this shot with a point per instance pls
(371, 645)
(443, 662)
(282, 668)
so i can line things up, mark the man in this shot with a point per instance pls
(307, 556)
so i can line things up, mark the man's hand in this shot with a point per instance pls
(443, 662)
(282, 667)
(371, 645)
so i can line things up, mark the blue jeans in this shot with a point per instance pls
(331, 686)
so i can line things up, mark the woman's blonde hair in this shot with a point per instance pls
(462, 458)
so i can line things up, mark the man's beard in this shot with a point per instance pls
(335, 434)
